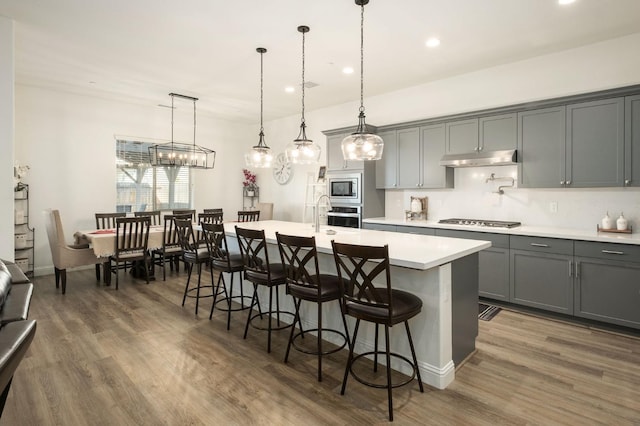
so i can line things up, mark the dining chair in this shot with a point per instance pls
(217, 210)
(132, 238)
(171, 249)
(190, 212)
(210, 217)
(258, 270)
(248, 215)
(155, 216)
(193, 254)
(66, 255)
(361, 266)
(106, 221)
(224, 261)
(299, 257)
(266, 210)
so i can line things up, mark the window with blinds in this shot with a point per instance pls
(141, 187)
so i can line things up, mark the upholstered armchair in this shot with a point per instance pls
(65, 255)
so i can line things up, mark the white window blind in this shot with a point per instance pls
(141, 187)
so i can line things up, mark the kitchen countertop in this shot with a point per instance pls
(534, 231)
(406, 250)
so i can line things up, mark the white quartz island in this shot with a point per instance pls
(443, 272)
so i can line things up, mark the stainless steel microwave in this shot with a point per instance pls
(345, 188)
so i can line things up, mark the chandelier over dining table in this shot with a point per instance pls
(180, 154)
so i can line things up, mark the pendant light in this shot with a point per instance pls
(302, 150)
(362, 144)
(178, 154)
(260, 156)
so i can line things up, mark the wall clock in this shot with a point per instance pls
(282, 169)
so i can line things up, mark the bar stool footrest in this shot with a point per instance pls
(243, 306)
(384, 354)
(273, 313)
(203, 287)
(315, 352)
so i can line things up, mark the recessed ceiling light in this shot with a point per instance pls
(289, 89)
(433, 42)
(347, 70)
(565, 2)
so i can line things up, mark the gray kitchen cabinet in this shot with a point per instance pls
(608, 283)
(433, 144)
(379, 226)
(498, 132)
(542, 273)
(632, 141)
(335, 160)
(387, 166)
(421, 230)
(462, 136)
(541, 148)
(409, 166)
(595, 144)
(493, 269)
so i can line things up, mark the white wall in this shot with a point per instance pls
(68, 141)
(609, 64)
(6, 138)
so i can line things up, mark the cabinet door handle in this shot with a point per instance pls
(568, 182)
(561, 182)
(577, 269)
(627, 181)
(570, 268)
(612, 252)
(538, 245)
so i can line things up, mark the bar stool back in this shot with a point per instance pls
(304, 282)
(387, 306)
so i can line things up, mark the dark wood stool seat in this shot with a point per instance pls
(304, 282)
(386, 306)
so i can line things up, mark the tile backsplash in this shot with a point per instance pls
(474, 197)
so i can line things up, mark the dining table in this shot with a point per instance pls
(103, 242)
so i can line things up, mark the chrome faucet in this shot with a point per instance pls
(317, 210)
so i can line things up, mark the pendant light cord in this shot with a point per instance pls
(194, 125)
(261, 92)
(303, 57)
(362, 57)
(172, 108)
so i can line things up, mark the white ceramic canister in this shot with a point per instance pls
(607, 222)
(621, 223)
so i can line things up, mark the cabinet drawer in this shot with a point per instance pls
(497, 240)
(415, 230)
(541, 244)
(609, 251)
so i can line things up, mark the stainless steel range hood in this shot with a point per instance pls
(480, 158)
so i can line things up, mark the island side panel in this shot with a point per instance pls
(464, 306)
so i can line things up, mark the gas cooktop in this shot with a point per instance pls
(480, 222)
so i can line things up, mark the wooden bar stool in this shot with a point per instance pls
(387, 306)
(258, 270)
(224, 261)
(304, 282)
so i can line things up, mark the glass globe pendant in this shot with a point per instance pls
(362, 144)
(302, 150)
(260, 155)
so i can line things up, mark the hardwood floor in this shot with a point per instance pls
(136, 357)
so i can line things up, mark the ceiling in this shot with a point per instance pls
(139, 51)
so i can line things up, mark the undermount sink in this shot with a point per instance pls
(334, 231)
